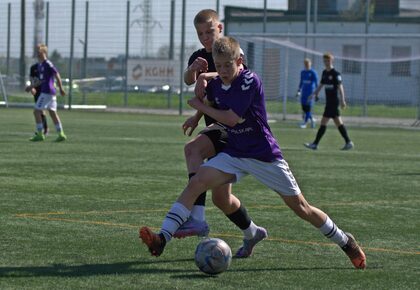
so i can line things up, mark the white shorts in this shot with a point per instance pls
(46, 102)
(275, 175)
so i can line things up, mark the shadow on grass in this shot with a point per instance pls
(135, 267)
(62, 270)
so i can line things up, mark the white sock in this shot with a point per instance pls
(39, 127)
(331, 231)
(198, 213)
(250, 232)
(59, 127)
(175, 217)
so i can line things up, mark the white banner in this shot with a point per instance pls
(153, 72)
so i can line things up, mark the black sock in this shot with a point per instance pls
(321, 132)
(343, 133)
(201, 199)
(240, 218)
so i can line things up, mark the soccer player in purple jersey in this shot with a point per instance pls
(213, 138)
(251, 149)
(47, 99)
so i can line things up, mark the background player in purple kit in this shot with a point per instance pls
(35, 89)
(47, 99)
(251, 149)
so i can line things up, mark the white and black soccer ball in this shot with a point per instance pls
(213, 256)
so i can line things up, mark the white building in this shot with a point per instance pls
(391, 74)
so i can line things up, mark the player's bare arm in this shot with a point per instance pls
(227, 117)
(201, 83)
(198, 66)
(343, 103)
(316, 93)
(60, 84)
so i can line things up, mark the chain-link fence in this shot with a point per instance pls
(132, 53)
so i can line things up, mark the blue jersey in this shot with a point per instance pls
(308, 84)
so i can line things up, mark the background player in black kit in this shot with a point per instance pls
(34, 89)
(332, 81)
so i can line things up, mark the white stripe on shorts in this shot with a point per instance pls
(275, 175)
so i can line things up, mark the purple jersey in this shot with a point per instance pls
(251, 137)
(47, 73)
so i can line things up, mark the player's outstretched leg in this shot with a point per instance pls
(328, 228)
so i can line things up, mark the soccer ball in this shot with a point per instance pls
(213, 256)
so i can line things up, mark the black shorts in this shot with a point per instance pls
(331, 112)
(306, 108)
(36, 96)
(217, 134)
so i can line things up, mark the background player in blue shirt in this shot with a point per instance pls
(307, 85)
(251, 150)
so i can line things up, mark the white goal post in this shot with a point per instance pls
(3, 92)
(377, 69)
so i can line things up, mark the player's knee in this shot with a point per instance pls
(190, 149)
(199, 181)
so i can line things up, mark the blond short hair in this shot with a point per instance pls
(43, 48)
(227, 47)
(206, 15)
(328, 55)
(307, 60)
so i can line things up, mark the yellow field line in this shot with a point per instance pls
(373, 249)
(280, 206)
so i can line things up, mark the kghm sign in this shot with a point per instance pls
(153, 72)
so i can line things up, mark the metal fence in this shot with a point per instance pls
(99, 46)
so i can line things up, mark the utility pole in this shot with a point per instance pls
(22, 65)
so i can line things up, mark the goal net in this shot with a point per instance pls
(377, 70)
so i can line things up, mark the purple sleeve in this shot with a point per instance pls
(52, 68)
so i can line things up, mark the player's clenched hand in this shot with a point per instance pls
(62, 92)
(189, 125)
(343, 105)
(200, 87)
(199, 65)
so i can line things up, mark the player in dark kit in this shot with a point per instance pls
(332, 81)
(35, 90)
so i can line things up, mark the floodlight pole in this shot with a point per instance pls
(47, 23)
(181, 79)
(22, 65)
(127, 45)
(73, 13)
(365, 70)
